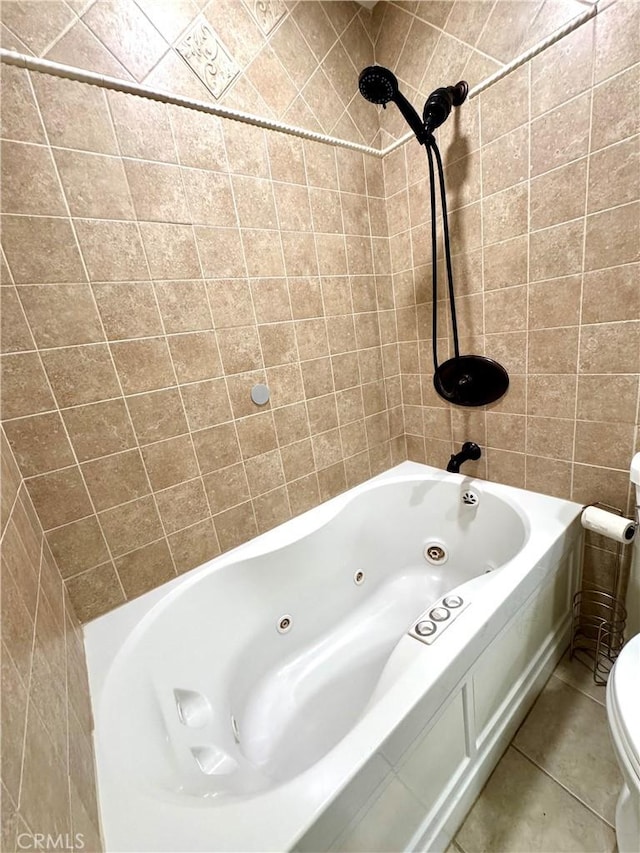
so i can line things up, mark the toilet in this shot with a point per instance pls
(623, 706)
(623, 711)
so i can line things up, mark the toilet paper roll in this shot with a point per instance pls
(608, 524)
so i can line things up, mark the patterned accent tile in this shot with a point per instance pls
(205, 54)
(267, 13)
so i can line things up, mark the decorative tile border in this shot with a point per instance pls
(205, 54)
(267, 13)
(57, 69)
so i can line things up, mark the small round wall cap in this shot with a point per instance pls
(260, 394)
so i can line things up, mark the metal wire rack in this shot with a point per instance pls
(599, 619)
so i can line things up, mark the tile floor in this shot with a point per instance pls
(555, 788)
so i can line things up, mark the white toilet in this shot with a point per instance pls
(623, 706)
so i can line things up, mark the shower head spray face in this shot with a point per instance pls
(377, 84)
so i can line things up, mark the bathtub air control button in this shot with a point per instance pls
(439, 614)
(434, 622)
(425, 629)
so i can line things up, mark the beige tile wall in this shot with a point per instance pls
(296, 62)
(160, 262)
(156, 263)
(546, 236)
(47, 774)
(430, 44)
(135, 328)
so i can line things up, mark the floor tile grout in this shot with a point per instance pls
(563, 677)
(579, 689)
(564, 787)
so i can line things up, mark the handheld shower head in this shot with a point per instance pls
(379, 86)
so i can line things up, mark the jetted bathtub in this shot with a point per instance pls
(345, 681)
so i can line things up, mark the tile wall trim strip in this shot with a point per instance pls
(516, 63)
(57, 69)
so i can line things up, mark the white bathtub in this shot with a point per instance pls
(215, 731)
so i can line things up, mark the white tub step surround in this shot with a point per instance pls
(275, 699)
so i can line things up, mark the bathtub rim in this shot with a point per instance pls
(129, 614)
(106, 636)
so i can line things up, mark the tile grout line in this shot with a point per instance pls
(410, 231)
(376, 275)
(593, 28)
(22, 481)
(183, 224)
(579, 689)
(394, 301)
(324, 312)
(528, 291)
(318, 68)
(295, 336)
(26, 62)
(442, 31)
(26, 687)
(69, 709)
(482, 31)
(549, 775)
(136, 223)
(41, 361)
(381, 380)
(179, 385)
(482, 274)
(146, 160)
(80, 19)
(145, 444)
(182, 334)
(86, 571)
(190, 431)
(263, 141)
(28, 708)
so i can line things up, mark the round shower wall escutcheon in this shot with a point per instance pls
(260, 394)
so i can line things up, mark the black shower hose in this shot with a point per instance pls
(432, 149)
